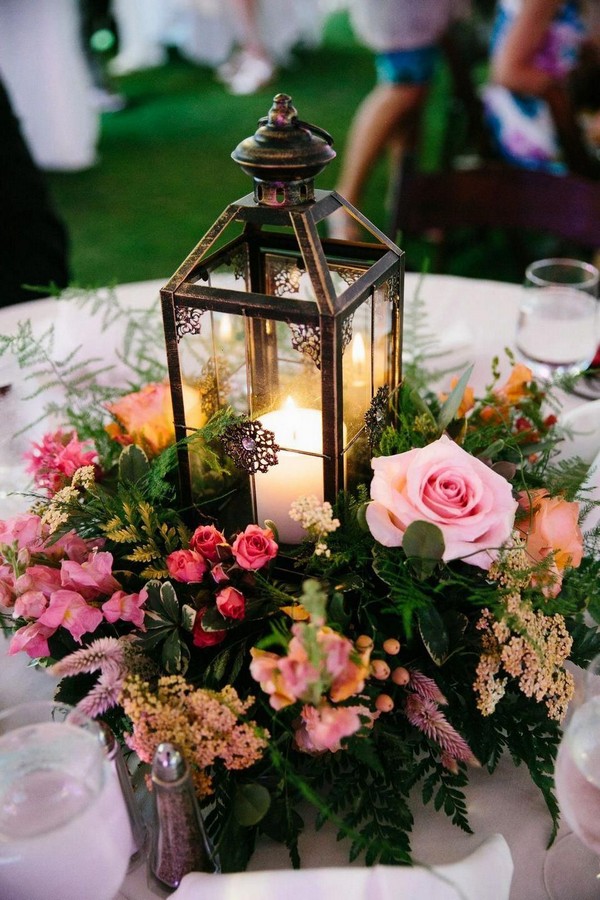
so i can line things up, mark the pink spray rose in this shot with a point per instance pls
(471, 504)
(205, 540)
(254, 547)
(231, 603)
(186, 565)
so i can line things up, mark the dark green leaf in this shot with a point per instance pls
(169, 603)
(433, 633)
(424, 546)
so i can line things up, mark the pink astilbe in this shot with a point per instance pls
(425, 715)
(54, 460)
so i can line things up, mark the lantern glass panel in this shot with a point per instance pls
(356, 369)
(383, 309)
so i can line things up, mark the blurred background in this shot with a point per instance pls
(160, 170)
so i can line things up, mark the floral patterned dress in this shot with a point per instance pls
(522, 127)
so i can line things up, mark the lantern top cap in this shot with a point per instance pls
(284, 150)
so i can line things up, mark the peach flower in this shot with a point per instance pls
(468, 398)
(515, 387)
(551, 528)
(146, 417)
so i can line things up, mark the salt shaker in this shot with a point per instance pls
(179, 844)
(114, 753)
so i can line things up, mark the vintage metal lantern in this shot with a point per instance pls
(297, 333)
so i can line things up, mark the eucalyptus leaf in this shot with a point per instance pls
(133, 464)
(451, 405)
(424, 546)
(433, 634)
(251, 803)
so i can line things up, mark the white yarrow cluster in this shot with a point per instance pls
(317, 519)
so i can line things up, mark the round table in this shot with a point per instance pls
(474, 320)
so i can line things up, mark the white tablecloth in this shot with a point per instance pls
(475, 320)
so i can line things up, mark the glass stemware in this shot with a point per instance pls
(558, 321)
(572, 865)
(64, 828)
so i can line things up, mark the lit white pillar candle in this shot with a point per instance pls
(295, 475)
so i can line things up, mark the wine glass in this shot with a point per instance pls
(64, 827)
(576, 855)
(557, 322)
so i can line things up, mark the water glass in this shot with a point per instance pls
(557, 323)
(64, 828)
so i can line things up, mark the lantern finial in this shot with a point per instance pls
(284, 156)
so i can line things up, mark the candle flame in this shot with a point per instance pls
(290, 404)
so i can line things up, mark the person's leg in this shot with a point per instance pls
(387, 119)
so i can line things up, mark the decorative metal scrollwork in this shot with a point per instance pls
(375, 416)
(393, 289)
(349, 275)
(251, 447)
(347, 332)
(188, 320)
(307, 339)
(210, 386)
(286, 275)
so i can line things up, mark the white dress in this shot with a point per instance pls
(46, 76)
(205, 31)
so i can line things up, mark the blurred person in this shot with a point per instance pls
(34, 247)
(45, 73)
(251, 66)
(405, 37)
(530, 107)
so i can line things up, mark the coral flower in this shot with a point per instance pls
(146, 417)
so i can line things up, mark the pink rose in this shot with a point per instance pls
(551, 528)
(254, 547)
(219, 574)
(231, 603)
(186, 565)
(205, 540)
(90, 578)
(471, 504)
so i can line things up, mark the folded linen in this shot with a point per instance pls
(485, 874)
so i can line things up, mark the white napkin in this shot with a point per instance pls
(484, 875)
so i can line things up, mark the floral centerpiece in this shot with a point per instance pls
(422, 627)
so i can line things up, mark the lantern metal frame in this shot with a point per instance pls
(327, 317)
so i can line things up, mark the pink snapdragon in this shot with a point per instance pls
(32, 639)
(44, 579)
(91, 577)
(24, 530)
(68, 609)
(126, 608)
(54, 460)
(30, 605)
